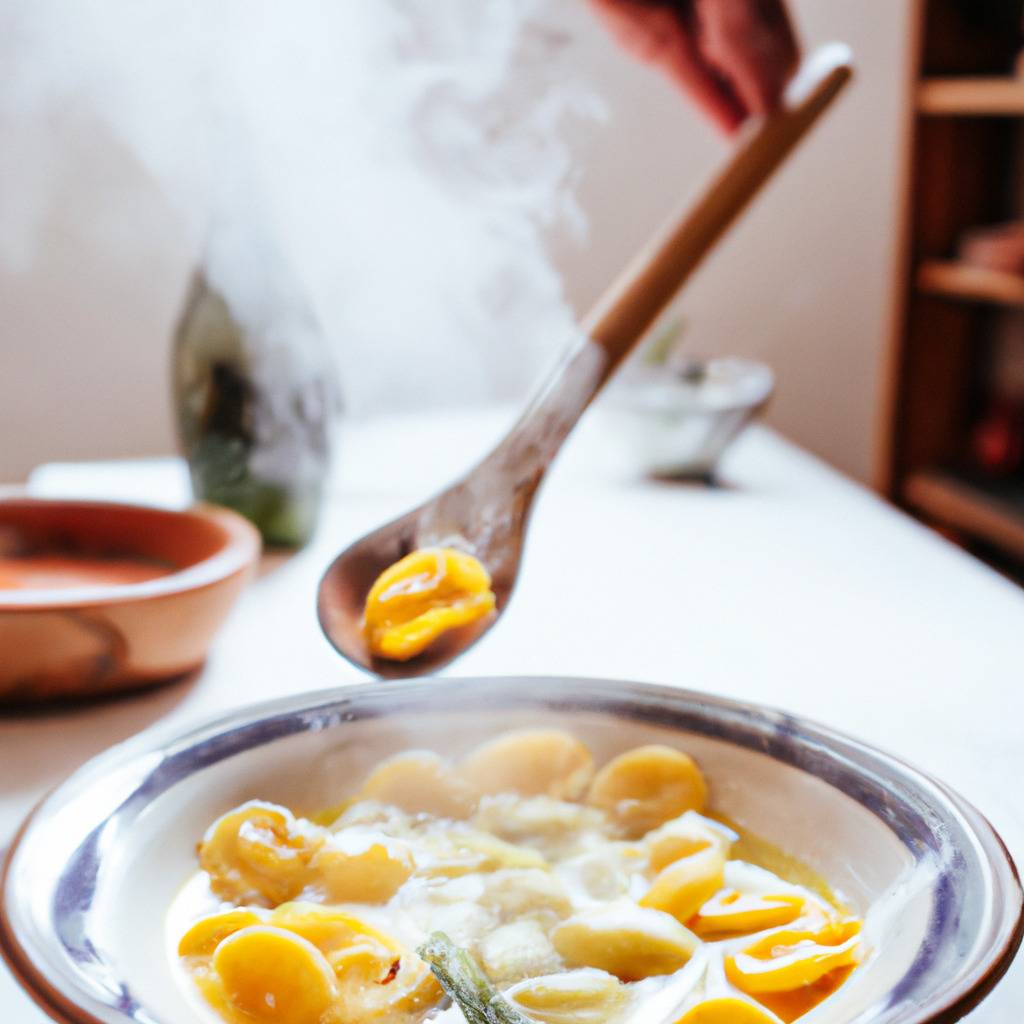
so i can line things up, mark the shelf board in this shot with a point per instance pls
(972, 284)
(972, 97)
(972, 509)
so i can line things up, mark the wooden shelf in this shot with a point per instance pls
(972, 97)
(972, 284)
(966, 507)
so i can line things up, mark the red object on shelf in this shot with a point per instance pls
(998, 247)
(997, 442)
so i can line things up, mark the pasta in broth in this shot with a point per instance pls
(521, 884)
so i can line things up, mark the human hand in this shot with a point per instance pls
(733, 58)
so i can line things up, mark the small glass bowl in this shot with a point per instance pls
(676, 420)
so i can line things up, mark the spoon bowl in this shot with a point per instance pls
(486, 512)
(348, 580)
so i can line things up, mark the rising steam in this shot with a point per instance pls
(399, 158)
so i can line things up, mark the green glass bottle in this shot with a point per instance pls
(255, 407)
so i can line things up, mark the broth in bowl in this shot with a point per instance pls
(522, 881)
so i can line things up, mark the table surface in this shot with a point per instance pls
(786, 584)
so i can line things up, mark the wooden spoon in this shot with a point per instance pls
(486, 511)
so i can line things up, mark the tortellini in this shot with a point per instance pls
(683, 887)
(629, 941)
(689, 833)
(584, 996)
(262, 854)
(731, 912)
(531, 762)
(421, 782)
(259, 853)
(581, 891)
(423, 596)
(359, 868)
(727, 1010)
(209, 932)
(643, 788)
(310, 964)
(518, 950)
(784, 960)
(275, 975)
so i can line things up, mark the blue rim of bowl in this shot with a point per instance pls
(818, 749)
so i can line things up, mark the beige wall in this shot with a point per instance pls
(805, 282)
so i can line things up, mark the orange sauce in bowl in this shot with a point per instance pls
(68, 571)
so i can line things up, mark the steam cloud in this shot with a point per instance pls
(401, 158)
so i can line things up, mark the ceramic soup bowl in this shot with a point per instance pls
(90, 878)
(92, 637)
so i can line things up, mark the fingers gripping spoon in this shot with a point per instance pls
(487, 510)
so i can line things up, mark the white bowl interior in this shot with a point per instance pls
(861, 857)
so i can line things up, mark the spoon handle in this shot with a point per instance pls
(634, 301)
(654, 277)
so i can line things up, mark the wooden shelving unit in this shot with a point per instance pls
(964, 159)
(972, 97)
(956, 503)
(970, 284)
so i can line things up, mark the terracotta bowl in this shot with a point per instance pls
(88, 883)
(102, 638)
